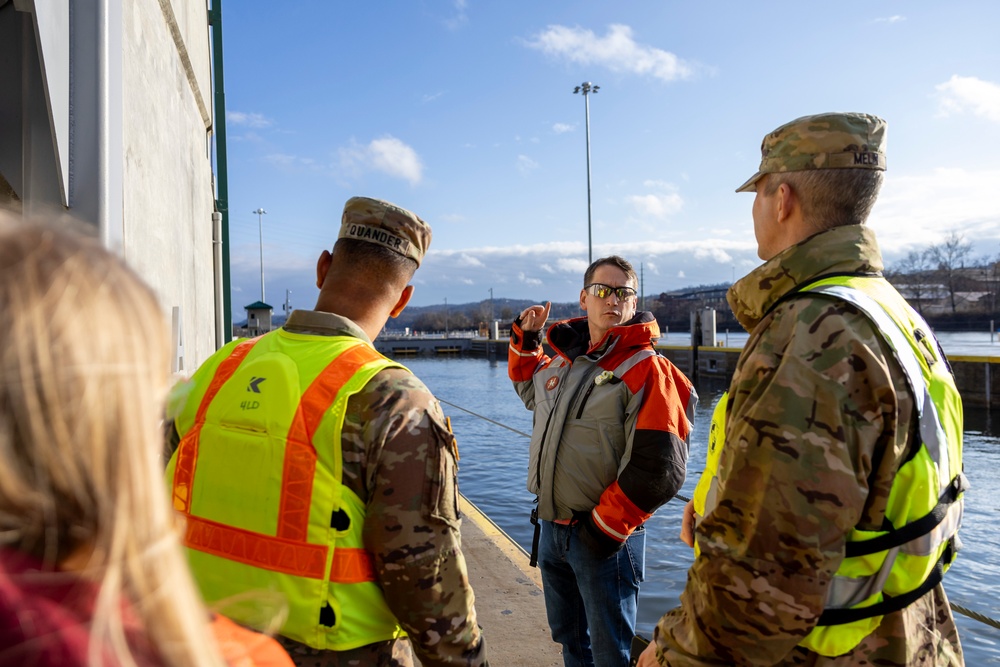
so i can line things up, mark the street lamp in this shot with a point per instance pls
(260, 229)
(586, 88)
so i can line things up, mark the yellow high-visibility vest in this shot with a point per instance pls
(884, 571)
(257, 477)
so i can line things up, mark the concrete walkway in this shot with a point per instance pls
(509, 602)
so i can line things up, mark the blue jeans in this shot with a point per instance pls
(590, 602)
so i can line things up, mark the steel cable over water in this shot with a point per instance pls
(975, 615)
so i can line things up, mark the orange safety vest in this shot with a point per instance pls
(257, 475)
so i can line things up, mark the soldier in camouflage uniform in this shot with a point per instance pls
(819, 420)
(397, 450)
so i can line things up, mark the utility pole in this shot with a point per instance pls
(642, 288)
(288, 305)
(446, 317)
(586, 88)
(260, 230)
(490, 352)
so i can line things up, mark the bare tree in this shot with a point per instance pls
(949, 257)
(911, 272)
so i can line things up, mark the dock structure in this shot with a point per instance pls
(978, 383)
(509, 601)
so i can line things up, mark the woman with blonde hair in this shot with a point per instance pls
(91, 572)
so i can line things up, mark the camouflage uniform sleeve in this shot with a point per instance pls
(812, 400)
(412, 522)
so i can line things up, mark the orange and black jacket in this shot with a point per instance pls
(612, 422)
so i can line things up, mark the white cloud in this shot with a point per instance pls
(288, 161)
(663, 202)
(460, 18)
(247, 119)
(559, 128)
(616, 50)
(553, 271)
(528, 281)
(526, 165)
(895, 18)
(388, 155)
(572, 266)
(919, 210)
(281, 159)
(961, 94)
(430, 97)
(466, 260)
(714, 253)
(657, 205)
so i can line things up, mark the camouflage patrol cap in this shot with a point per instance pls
(386, 224)
(823, 141)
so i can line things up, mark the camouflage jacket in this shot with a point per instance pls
(818, 421)
(400, 457)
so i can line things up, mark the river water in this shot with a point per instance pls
(494, 462)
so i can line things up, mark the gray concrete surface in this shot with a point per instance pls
(509, 599)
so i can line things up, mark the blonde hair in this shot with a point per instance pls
(83, 371)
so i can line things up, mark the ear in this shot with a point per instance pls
(404, 298)
(787, 200)
(583, 299)
(322, 267)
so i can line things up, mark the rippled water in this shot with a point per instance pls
(494, 461)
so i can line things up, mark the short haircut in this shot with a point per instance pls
(831, 197)
(378, 261)
(611, 260)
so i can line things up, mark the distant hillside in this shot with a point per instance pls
(671, 308)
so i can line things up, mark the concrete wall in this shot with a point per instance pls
(106, 117)
(168, 195)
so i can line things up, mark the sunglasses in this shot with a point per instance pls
(602, 291)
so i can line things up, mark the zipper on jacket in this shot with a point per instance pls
(614, 379)
(583, 402)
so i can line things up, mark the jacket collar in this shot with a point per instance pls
(850, 249)
(571, 338)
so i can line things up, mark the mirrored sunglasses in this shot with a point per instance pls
(602, 291)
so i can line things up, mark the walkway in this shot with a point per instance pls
(509, 600)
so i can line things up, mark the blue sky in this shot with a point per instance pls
(463, 112)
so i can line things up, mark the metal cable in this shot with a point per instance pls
(458, 407)
(956, 607)
(975, 615)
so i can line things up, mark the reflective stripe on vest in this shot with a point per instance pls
(287, 552)
(187, 457)
(850, 591)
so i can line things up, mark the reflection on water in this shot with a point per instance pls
(494, 460)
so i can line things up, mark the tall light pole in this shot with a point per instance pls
(260, 229)
(587, 88)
